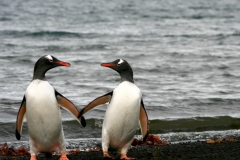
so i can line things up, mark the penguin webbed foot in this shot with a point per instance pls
(33, 157)
(63, 157)
(124, 156)
(106, 156)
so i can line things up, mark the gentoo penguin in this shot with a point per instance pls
(124, 112)
(41, 104)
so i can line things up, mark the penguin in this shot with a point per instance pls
(124, 113)
(41, 105)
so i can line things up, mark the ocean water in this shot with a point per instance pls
(185, 56)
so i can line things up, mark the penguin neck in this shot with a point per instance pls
(127, 77)
(39, 74)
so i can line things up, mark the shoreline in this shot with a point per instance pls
(207, 150)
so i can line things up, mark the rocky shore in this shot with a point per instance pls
(228, 149)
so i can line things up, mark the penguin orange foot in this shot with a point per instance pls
(106, 155)
(124, 156)
(63, 157)
(33, 157)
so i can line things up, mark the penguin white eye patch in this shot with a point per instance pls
(49, 57)
(120, 61)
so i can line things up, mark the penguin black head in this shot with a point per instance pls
(122, 67)
(46, 63)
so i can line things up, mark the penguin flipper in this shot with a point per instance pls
(69, 106)
(143, 118)
(20, 117)
(98, 101)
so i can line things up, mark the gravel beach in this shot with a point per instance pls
(181, 151)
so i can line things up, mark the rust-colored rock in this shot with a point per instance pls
(6, 151)
(151, 140)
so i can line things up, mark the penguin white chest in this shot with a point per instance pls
(122, 115)
(42, 113)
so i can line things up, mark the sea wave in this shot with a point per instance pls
(196, 128)
(24, 33)
(194, 124)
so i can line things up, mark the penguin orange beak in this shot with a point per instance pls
(107, 64)
(61, 63)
